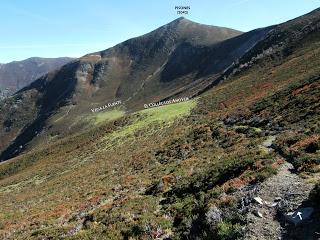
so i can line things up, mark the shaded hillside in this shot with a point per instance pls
(138, 71)
(27, 113)
(183, 171)
(143, 66)
(18, 74)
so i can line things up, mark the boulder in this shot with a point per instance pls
(258, 200)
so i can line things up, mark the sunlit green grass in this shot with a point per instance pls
(168, 113)
(103, 117)
(149, 119)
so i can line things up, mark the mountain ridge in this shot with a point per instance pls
(136, 71)
(155, 66)
(219, 166)
(17, 74)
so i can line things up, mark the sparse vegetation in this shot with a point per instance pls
(315, 194)
(171, 172)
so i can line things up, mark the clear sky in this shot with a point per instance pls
(53, 28)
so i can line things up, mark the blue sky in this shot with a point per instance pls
(76, 27)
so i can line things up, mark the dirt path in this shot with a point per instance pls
(284, 190)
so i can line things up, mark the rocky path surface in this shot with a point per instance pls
(283, 192)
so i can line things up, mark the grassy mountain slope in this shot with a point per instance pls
(138, 71)
(163, 172)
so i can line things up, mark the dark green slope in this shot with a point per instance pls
(141, 70)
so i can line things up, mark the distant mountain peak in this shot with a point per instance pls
(180, 18)
(180, 30)
(176, 21)
(18, 74)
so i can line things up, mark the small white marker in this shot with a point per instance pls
(299, 214)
